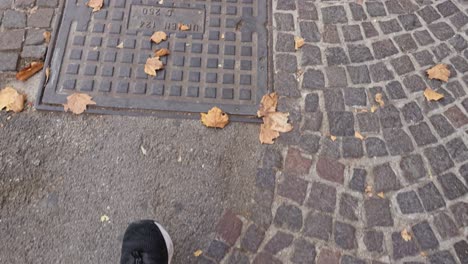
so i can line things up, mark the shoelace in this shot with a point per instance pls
(137, 256)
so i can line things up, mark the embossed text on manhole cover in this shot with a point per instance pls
(220, 60)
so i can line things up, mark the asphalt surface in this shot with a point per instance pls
(59, 173)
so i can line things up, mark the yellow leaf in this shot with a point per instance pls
(432, 95)
(379, 99)
(95, 4)
(373, 108)
(333, 138)
(278, 121)
(215, 118)
(381, 195)
(47, 74)
(439, 72)
(162, 52)
(358, 135)
(46, 35)
(152, 65)
(77, 103)
(268, 104)
(406, 235)
(11, 100)
(183, 27)
(158, 36)
(369, 190)
(423, 254)
(104, 218)
(267, 134)
(120, 46)
(197, 253)
(298, 42)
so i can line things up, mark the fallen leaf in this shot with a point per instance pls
(361, 110)
(152, 65)
(278, 121)
(268, 104)
(333, 138)
(374, 108)
(267, 134)
(183, 27)
(46, 35)
(381, 195)
(158, 36)
(423, 254)
(104, 218)
(215, 118)
(143, 150)
(432, 95)
(120, 46)
(369, 190)
(358, 135)
(162, 52)
(77, 103)
(197, 253)
(11, 100)
(47, 74)
(379, 99)
(298, 42)
(439, 72)
(406, 235)
(222, 36)
(95, 4)
(29, 71)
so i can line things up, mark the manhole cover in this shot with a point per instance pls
(222, 60)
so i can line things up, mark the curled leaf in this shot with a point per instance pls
(120, 46)
(358, 135)
(28, 71)
(215, 118)
(11, 100)
(183, 27)
(46, 35)
(152, 65)
(333, 138)
(104, 218)
(432, 95)
(268, 104)
(298, 42)
(158, 36)
(406, 235)
(439, 72)
(379, 99)
(96, 5)
(78, 102)
(197, 253)
(162, 52)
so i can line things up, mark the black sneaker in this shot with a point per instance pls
(146, 242)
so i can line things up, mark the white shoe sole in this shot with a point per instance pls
(168, 240)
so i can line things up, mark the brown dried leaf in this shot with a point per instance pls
(29, 71)
(333, 138)
(11, 100)
(432, 95)
(267, 134)
(215, 118)
(152, 65)
(96, 5)
(439, 72)
(46, 35)
(298, 42)
(183, 27)
(379, 99)
(197, 253)
(159, 36)
(77, 103)
(358, 135)
(162, 52)
(268, 104)
(278, 121)
(406, 235)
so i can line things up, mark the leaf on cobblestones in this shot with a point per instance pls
(406, 235)
(120, 46)
(333, 138)
(183, 27)
(278, 121)
(358, 135)
(267, 135)
(298, 42)
(28, 71)
(159, 36)
(197, 253)
(369, 191)
(379, 99)
(439, 72)
(374, 108)
(77, 103)
(432, 95)
(11, 100)
(381, 195)
(268, 104)
(215, 118)
(46, 35)
(274, 122)
(96, 5)
(162, 52)
(152, 65)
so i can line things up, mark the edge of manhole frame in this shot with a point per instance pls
(39, 105)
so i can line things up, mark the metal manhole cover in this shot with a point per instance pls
(222, 60)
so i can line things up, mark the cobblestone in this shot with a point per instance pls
(445, 225)
(293, 188)
(461, 249)
(304, 252)
(442, 257)
(402, 248)
(374, 240)
(452, 186)
(318, 226)
(322, 197)
(439, 159)
(378, 212)
(217, 250)
(385, 178)
(409, 203)
(288, 217)
(278, 242)
(358, 180)
(431, 197)
(252, 238)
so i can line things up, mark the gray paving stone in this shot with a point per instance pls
(293, 188)
(402, 65)
(430, 197)
(377, 212)
(318, 226)
(425, 236)
(311, 55)
(442, 257)
(409, 203)
(284, 22)
(368, 122)
(355, 97)
(286, 85)
(352, 148)
(351, 33)
(442, 125)
(398, 142)
(414, 83)
(34, 52)
(390, 26)
(348, 207)
(296, 164)
(429, 14)
(461, 249)
(359, 53)
(8, 61)
(394, 7)
(346, 259)
(459, 20)
(445, 225)
(286, 5)
(439, 159)
(264, 258)
(459, 63)
(409, 21)
(238, 257)
(374, 241)
(458, 43)
(384, 48)
(423, 37)
(358, 180)
(313, 79)
(309, 31)
(460, 213)
(328, 256)
(379, 72)
(395, 90)
(286, 63)
(452, 187)
(334, 100)
(5, 4)
(34, 37)
(13, 19)
(385, 178)
(278, 242)
(204, 260)
(322, 197)
(412, 113)
(252, 239)
(217, 250)
(11, 40)
(359, 74)
(357, 12)
(422, 134)
(265, 179)
(24, 3)
(456, 116)
(412, 167)
(330, 34)
(307, 10)
(304, 252)
(47, 3)
(402, 248)
(369, 30)
(310, 143)
(441, 51)
(331, 150)
(288, 217)
(375, 9)
(464, 172)
(424, 58)
(406, 42)
(456, 89)
(441, 30)
(272, 158)
(457, 150)
(375, 147)
(334, 15)
(336, 77)
(345, 235)
(313, 121)
(341, 123)
(447, 8)
(285, 42)
(390, 117)
(336, 56)
(311, 102)
(42, 18)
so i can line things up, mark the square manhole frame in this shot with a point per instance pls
(40, 105)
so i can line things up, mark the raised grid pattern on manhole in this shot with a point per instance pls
(221, 60)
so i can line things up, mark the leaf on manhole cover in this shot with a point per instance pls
(46, 35)
(215, 118)
(379, 99)
(432, 95)
(358, 135)
(268, 104)
(159, 36)
(152, 65)
(273, 122)
(77, 103)
(11, 100)
(161, 52)
(96, 5)
(197, 253)
(47, 74)
(120, 46)
(298, 42)
(29, 71)
(183, 27)
(406, 235)
(439, 72)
